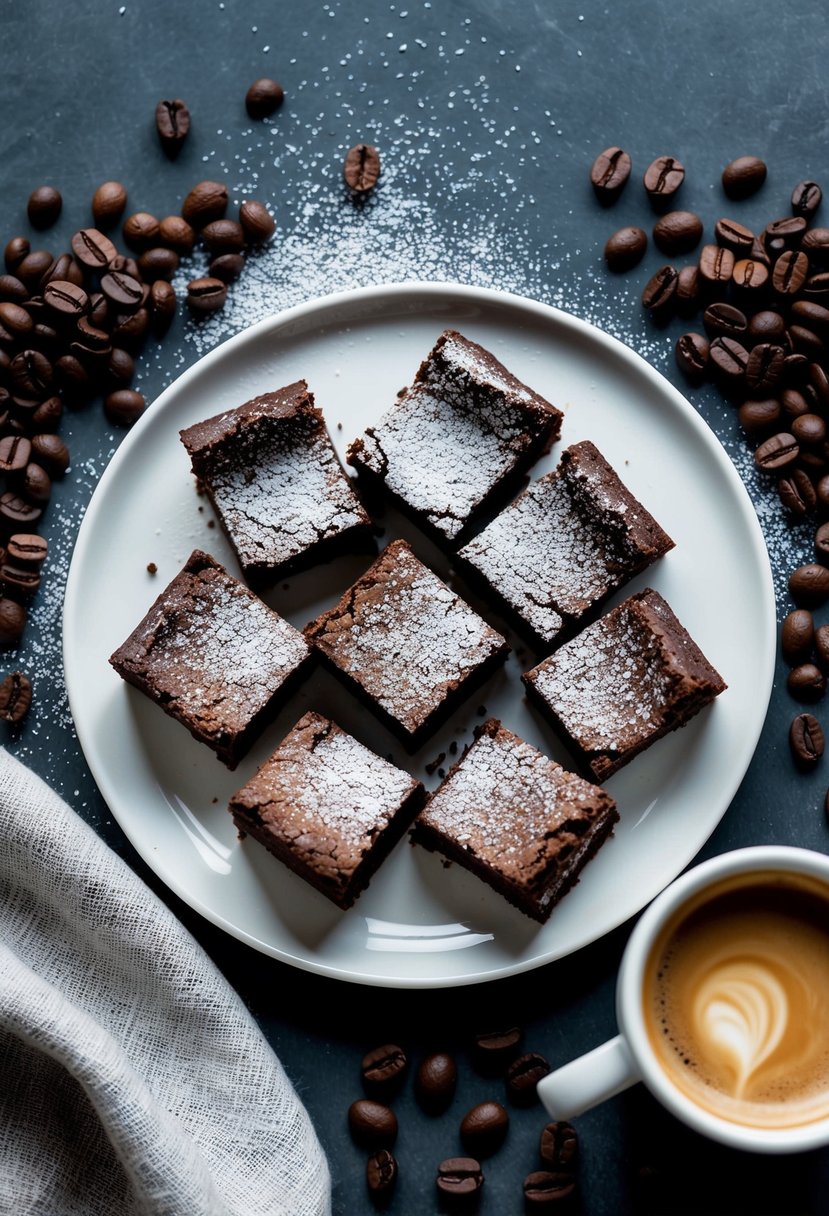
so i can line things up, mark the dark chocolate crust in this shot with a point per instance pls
(214, 657)
(327, 807)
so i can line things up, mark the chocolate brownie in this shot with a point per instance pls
(518, 820)
(406, 645)
(565, 545)
(213, 656)
(274, 479)
(457, 441)
(624, 682)
(328, 807)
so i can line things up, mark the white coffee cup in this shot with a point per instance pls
(631, 1057)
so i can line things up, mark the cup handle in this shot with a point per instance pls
(589, 1080)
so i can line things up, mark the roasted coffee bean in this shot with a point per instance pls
(691, 353)
(794, 403)
(130, 330)
(822, 647)
(223, 236)
(659, 291)
(790, 272)
(15, 697)
(495, 1049)
(157, 263)
(19, 583)
(384, 1069)
(816, 287)
(749, 276)
(809, 430)
(806, 342)
(12, 290)
(822, 491)
(207, 201)
(725, 320)
(797, 636)
(381, 1175)
(372, 1124)
(48, 414)
(459, 1178)
(16, 250)
(728, 359)
(734, 236)
(27, 549)
(16, 320)
(172, 121)
(766, 326)
(33, 267)
(484, 1128)
(64, 269)
(12, 622)
(257, 222)
(120, 368)
(206, 295)
(548, 1190)
(227, 267)
(435, 1082)
(716, 266)
(625, 248)
(609, 174)
(783, 234)
(743, 176)
(122, 290)
(811, 314)
(162, 304)
(361, 168)
(108, 203)
(16, 513)
(50, 451)
(37, 484)
(140, 230)
(559, 1146)
(44, 206)
(263, 98)
(815, 245)
(15, 451)
(806, 682)
(777, 453)
(822, 543)
(758, 417)
(764, 369)
(124, 406)
(31, 374)
(686, 296)
(797, 493)
(175, 233)
(92, 249)
(524, 1073)
(806, 740)
(65, 299)
(806, 198)
(662, 179)
(677, 232)
(809, 584)
(819, 382)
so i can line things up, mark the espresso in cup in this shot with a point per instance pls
(736, 999)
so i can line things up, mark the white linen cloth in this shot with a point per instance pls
(132, 1078)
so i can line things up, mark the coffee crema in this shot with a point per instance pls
(736, 994)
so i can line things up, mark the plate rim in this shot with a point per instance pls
(445, 290)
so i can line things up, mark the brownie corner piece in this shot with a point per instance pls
(523, 824)
(213, 656)
(406, 645)
(327, 807)
(631, 677)
(271, 472)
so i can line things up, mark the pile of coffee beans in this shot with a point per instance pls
(763, 297)
(481, 1131)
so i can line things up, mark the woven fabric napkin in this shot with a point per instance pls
(132, 1078)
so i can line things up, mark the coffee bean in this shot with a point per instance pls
(806, 740)
(130, 330)
(65, 299)
(784, 234)
(64, 269)
(257, 222)
(157, 263)
(15, 697)
(27, 549)
(494, 1049)
(120, 368)
(37, 484)
(822, 543)
(790, 272)
(806, 682)
(725, 319)
(734, 236)
(19, 583)
(223, 236)
(381, 1175)
(263, 98)
(372, 1124)
(435, 1082)
(162, 304)
(625, 248)
(44, 206)
(766, 326)
(227, 267)
(206, 295)
(716, 266)
(764, 369)
(609, 174)
(686, 296)
(172, 121)
(809, 430)
(816, 287)
(459, 1178)
(16, 320)
(548, 1191)
(361, 168)
(743, 176)
(16, 250)
(794, 403)
(48, 414)
(33, 267)
(659, 291)
(12, 290)
(524, 1073)
(92, 343)
(559, 1146)
(815, 316)
(822, 647)
(12, 622)
(15, 451)
(728, 358)
(797, 493)
(691, 353)
(677, 232)
(122, 290)
(175, 233)
(383, 1069)
(806, 198)
(759, 417)
(108, 203)
(141, 230)
(809, 584)
(15, 512)
(778, 452)
(92, 249)
(124, 406)
(663, 177)
(815, 244)
(31, 374)
(207, 201)
(749, 276)
(484, 1128)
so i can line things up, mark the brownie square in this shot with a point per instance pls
(567, 543)
(406, 645)
(517, 819)
(327, 807)
(214, 657)
(273, 477)
(624, 682)
(457, 441)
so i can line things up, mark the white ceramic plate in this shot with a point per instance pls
(419, 923)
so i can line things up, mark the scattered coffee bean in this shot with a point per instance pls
(815, 245)
(384, 1069)
(33, 267)
(27, 549)
(120, 369)
(806, 198)
(766, 326)
(734, 236)
(12, 289)
(809, 584)
(124, 406)
(764, 368)
(16, 321)
(559, 1146)
(141, 230)
(686, 296)
(93, 250)
(15, 451)
(659, 291)
(44, 206)
(790, 272)
(207, 201)
(158, 262)
(12, 622)
(609, 174)
(524, 1074)
(18, 583)
(716, 266)
(806, 740)
(625, 248)
(372, 1124)
(15, 697)
(797, 636)
(484, 1128)
(176, 234)
(263, 98)
(435, 1082)
(65, 299)
(777, 452)
(806, 682)
(743, 176)
(257, 222)
(381, 1175)
(725, 320)
(361, 168)
(548, 1191)
(172, 121)
(749, 276)
(108, 204)
(16, 250)
(495, 1049)
(162, 304)
(223, 236)
(36, 484)
(206, 295)
(227, 267)
(691, 354)
(459, 1178)
(663, 177)
(728, 359)
(677, 232)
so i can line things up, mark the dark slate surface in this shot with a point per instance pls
(488, 116)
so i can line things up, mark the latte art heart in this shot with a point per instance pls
(740, 1014)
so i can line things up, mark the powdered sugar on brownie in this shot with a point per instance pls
(457, 354)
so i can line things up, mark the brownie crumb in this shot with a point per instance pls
(453, 747)
(433, 764)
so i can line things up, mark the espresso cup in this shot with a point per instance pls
(722, 1003)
